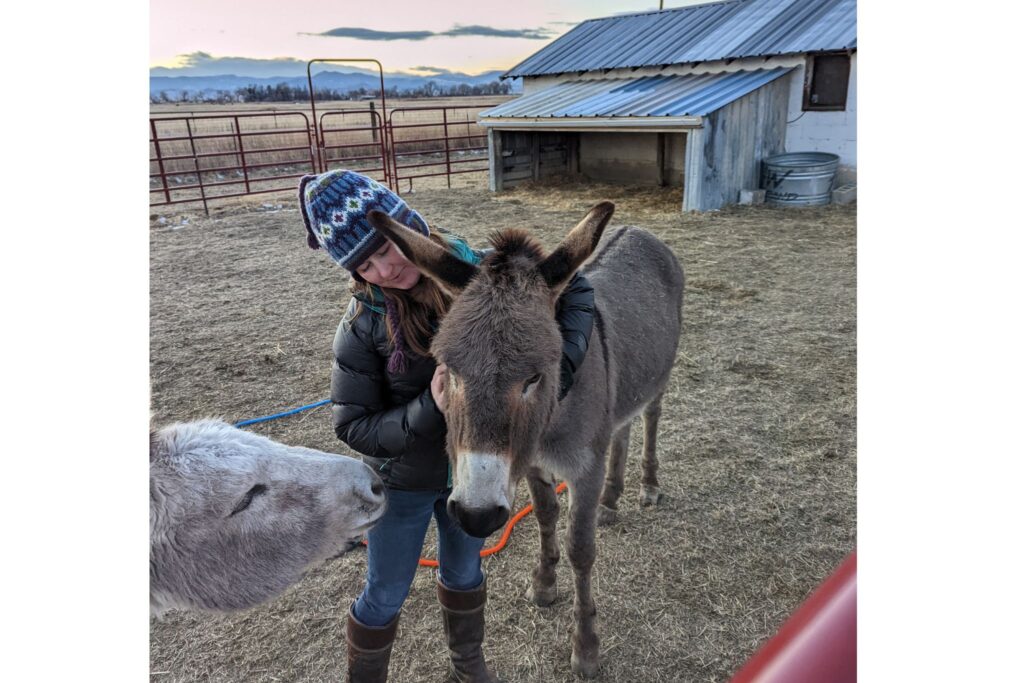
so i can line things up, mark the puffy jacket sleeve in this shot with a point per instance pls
(575, 313)
(363, 418)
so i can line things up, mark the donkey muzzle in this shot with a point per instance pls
(478, 522)
(480, 500)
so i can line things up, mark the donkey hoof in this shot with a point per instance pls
(606, 516)
(649, 496)
(585, 666)
(543, 596)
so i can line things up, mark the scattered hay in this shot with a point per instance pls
(757, 444)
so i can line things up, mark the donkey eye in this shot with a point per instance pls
(530, 383)
(247, 499)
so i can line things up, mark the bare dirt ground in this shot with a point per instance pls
(757, 440)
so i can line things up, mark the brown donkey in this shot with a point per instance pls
(502, 346)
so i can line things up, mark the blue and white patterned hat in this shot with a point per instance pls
(334, 207)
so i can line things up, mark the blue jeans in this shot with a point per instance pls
(394, 552)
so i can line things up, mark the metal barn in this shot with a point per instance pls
(694, 97)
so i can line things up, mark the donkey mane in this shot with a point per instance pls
(512, 243)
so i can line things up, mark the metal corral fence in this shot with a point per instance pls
(354, 139)
(203, 158)
(422, 148)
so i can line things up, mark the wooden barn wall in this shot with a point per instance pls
(528, 155)
(725, 155)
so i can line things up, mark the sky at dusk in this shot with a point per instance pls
(207, 37)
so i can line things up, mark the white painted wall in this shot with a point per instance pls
(825, 131)
(812, 131)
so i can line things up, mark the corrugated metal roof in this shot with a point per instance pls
(649, 96)
(699, 33)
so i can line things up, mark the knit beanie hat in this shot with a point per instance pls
(334, 206)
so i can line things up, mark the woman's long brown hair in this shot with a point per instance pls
(417, 309)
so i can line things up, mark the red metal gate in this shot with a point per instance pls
(199, 158)
(354, 139)
(435, 141)
(207, 157)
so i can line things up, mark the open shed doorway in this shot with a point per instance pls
(620, 158)
(634, 158)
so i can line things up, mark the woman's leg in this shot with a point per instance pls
(392, 556)
(462, 592)
(458, 553)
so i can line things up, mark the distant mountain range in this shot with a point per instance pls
(342, 81)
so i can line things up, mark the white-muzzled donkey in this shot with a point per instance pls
(236, 518)
(501, 343)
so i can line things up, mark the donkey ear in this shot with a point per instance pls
(450, 272)
(577, 247)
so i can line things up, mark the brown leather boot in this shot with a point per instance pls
(463, 615)
(369, 650)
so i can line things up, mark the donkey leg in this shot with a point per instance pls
(545, 507)
(581, 547)
(649, 494)
(614, 481)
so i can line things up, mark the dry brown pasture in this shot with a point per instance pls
(757, 445)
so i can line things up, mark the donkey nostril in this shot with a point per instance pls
(377, 488)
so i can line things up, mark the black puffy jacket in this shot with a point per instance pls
(391, 419)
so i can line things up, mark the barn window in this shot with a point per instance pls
(826, 83)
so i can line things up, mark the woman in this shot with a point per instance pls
(388, 403)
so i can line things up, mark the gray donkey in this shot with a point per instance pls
(236, 518)
(501, 343)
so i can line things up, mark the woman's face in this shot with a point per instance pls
(389, 268)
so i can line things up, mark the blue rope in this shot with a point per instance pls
(284, 414)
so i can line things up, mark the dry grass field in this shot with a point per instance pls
(757, 439)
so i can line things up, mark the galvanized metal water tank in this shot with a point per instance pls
(799, 178)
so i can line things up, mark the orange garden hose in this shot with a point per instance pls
(497, 547)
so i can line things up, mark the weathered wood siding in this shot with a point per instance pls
(725, 155)
(494, 154)
(529, 156)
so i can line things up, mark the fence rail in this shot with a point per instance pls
(203, 158)
(410, 161)
(368, 137)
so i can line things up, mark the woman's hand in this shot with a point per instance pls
(437, 386)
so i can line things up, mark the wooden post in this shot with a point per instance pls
(373, 121)
(693, 179)
(535, 156)
(661, 159)
(495, 160)
(573, 162)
